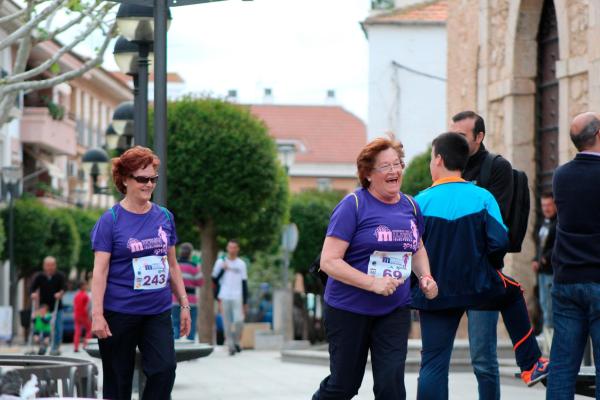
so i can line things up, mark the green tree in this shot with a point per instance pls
(417, 176)
(224, 179)
(84, 222)
(32, 230)
(310, 211)
(63, 242)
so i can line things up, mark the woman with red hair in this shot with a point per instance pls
(373, 244)
(135, 273)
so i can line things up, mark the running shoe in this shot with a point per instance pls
(538, 372)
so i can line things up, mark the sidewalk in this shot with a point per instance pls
(254, 375)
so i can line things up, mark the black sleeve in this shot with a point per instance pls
(245, 291)
(219, 276)
(501, 185)
(549, 246)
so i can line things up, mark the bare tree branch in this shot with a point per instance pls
(82, 15)
(15, 15)
(6, 105)
(93, 25)
(29, 86)
(26, 29)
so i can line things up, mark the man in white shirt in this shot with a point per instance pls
(232, 275)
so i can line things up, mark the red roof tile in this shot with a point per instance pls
(172, 77)
(428, 11)
(329, 134)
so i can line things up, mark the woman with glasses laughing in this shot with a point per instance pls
(373, 244)
(135, 273)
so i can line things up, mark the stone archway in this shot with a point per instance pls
(514, 103)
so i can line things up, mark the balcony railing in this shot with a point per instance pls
(39, 128)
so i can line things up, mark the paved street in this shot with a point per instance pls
(254, 375)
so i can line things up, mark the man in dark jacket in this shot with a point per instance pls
(576, 259)
(483, 324)
(542, 265)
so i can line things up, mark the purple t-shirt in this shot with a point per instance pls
(372, 226)
(126, 236)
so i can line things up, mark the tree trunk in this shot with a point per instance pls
(209, 250)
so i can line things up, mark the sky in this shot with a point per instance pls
(298, 48)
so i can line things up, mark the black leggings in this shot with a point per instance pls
(350, 337)
(153, 334)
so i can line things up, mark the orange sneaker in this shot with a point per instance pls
(538, 372)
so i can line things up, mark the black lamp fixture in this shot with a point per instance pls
(112, 137)
(122, 120)
(136, 22)
(93, 160)
(127, 56)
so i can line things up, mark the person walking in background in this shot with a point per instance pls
(576, 260)
(482, 325)
(232, 274)
(193, 280)
(367, 296)
(48, 287)
(135, 274)
(81, 315)
(466, 241)
(542, 264)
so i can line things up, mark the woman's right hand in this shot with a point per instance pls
(100, 327)
(385, 286)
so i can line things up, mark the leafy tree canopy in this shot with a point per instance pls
(310, 211)
(32, 223)
(417, 176)
(63, 241)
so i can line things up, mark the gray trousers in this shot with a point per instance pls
(233, 322)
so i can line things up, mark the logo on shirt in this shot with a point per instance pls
(410, 237)
(159, 243)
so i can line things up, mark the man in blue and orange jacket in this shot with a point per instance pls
(466, 240)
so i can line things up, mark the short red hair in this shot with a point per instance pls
(365, 162)
(133, 159)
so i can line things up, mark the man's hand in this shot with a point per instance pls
(535, 266)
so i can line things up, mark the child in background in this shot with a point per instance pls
(42, 328)
(81, 315)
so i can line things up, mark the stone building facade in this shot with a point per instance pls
(527, 66)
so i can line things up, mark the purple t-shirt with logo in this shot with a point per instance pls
(126, 236)
(372, 226)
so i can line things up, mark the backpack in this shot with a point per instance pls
(315, 268)
(518, 214)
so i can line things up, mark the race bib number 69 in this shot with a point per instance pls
(151, 272)
(395, 264)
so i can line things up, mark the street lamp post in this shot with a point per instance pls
(11, 176)
(134, 58)
(159, 25)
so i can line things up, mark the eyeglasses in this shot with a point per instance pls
(390, 167)
(145, 179)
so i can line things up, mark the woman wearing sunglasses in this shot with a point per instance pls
(135, 273)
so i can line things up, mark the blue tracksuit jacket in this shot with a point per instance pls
(465, 240)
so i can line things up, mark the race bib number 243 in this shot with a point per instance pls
(151, 272)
